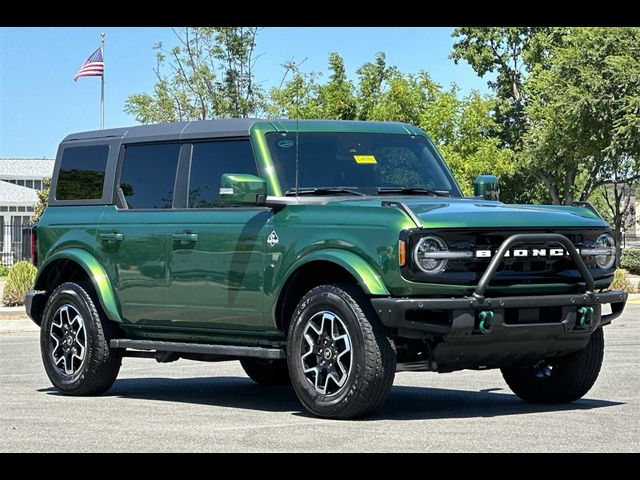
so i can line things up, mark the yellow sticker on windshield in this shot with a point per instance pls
(365, 159)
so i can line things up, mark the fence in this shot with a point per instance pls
(15, 242)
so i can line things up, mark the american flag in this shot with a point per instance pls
(92, 67)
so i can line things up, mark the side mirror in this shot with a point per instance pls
(242, 189)
(487, 187)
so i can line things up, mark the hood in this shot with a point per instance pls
(436, 212)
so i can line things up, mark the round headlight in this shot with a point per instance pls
(428, 254)
(606, 241)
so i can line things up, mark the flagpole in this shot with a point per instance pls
(102, 85)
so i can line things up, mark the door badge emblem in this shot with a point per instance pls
(273, 239)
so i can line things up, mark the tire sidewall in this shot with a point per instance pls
(313, 400)
(68, 293)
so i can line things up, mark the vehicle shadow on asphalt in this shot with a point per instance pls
(404, 403)
(423, 403)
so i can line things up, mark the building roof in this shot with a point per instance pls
(231, 127)
(11, 194)
(11, 168)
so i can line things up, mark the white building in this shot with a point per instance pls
(20, 178)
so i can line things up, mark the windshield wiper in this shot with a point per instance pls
(322, 191)
(411, 191)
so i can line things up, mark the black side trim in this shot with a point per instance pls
(226, 350)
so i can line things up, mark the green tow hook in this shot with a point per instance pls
(586, 317)
(486, 321)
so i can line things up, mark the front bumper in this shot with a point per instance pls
(34, 304)
(522, 331)
(460, 316)
(481, 332)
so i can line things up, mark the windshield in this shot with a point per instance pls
(365, 162)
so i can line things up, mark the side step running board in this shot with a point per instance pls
(179, 347)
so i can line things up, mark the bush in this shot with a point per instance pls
(19, 282)
(631, 260)
(621, 282)
(4, 270)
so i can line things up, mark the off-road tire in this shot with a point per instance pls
(571, 378)
(101, 364)
(266, 372)
(373, 362)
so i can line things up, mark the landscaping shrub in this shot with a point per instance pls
(631, 260)
(19, 281)
(4, 270)
(621, 282)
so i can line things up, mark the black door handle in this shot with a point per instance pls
(111, 237)
(185, 238)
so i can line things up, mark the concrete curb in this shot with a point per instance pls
(18, 326)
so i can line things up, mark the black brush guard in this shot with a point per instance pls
(459, 316)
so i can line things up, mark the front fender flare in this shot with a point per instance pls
(359, 268)
(96, 274)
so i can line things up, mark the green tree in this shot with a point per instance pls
(371, 79)
(208, 74)
(43, 200)
(338, 99)
(584, 112)
(506, 54)
(304, 97)
(567, 103)
(298, 97)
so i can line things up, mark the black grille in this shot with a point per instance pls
(512, 270)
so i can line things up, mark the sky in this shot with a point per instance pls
(40, 103)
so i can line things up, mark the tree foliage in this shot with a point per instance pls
(506, 54)
(208, 74)
(584, 112)
(567, 104)
(43, 200)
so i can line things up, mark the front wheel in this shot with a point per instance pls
(341, 360)
(74, 341)
(559, 380)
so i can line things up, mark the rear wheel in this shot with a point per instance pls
(74, 342)
(559, 380)
(341, 359)
(266, 372)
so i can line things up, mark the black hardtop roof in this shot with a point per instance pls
(231, 127)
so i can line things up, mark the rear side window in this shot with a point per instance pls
(81, 175)
(209, 161)
(148, 175)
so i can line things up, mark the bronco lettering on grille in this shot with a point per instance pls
(526, 253)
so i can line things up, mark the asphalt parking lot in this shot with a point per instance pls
(190, 406)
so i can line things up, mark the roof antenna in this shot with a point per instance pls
(297, 138)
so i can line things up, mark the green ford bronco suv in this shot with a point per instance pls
(325, 254)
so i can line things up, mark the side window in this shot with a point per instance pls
(209, 161)
(148, 175)
(81, 175)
